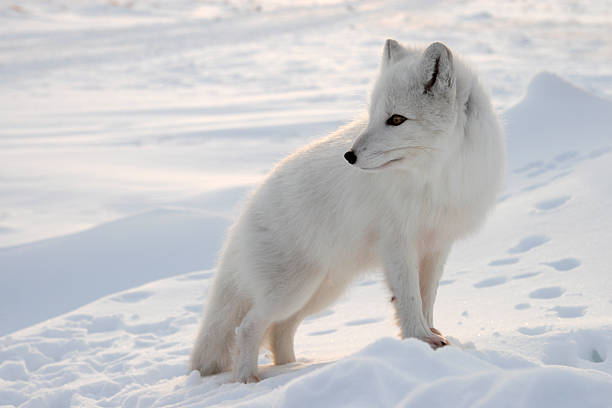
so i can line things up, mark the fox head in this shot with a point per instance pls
(412, 111)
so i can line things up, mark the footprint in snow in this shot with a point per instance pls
(322, 332)
(529, 243)
(367, 282)
(326, 312)
(529, 166)
(538, 172)
(569, 311)
(132, 297)
(504, 198)
(565, 264)
(363, 321)
(485, 283)
(552, 203)
(596, 357)
(59, 334)
(547, 293)
(566, 156)
(526, 275)
(522, 306)
(102, 324)
(533, 331)
(600, 152)
(449, 281)
(589, 345)
(197, 308)
(504, 261)
(545, 183)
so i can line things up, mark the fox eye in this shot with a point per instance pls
(395, 120)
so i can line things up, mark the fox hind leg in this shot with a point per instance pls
(282, 333)
(249, 336)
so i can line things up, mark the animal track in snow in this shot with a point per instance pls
(115, 322)
(529, 166)
(529, 243)
(319, 315)
(565, 156)
(552, 203)
(547, 293)
(565, 264)
(600, 152)
(132, 297)
(105, 323)
(538, 172)
(504, 198)
(367, 282)
(504, 261)
(533, 331)
(570, 311)
(196, 308)
(545, 183)
(522, 306)
(363, 321)
(322, 332)
(588, 345)
(448, 282)
(485, 283)
(13, 370)
(526, 275)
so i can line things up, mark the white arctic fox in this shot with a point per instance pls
(395, 189)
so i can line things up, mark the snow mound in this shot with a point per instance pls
(408, 373)
(67, 272)
(557, 120)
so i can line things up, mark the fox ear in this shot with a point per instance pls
(436, 69)
(392, 53)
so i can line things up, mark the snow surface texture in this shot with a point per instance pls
(161, 116)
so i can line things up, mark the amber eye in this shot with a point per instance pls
(395, 120)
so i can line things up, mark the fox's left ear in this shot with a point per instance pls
(392, 53)
(436, 69)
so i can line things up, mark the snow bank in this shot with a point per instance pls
(408, 373)
(67, 272)
(555, 122)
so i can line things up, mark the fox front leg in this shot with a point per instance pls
(431, 268)
(402, 273)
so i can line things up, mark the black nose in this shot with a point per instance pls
(350, 157)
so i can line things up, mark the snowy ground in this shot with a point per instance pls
(160, 116)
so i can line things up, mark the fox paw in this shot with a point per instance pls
(248, 379)
(436, 340)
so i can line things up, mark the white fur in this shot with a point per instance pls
(317, 222)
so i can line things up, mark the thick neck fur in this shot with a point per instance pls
(463, 185)
(468, 180)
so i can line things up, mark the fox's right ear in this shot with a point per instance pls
(436, 69)
(392, 53)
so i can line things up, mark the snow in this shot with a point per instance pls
(131, 132)
(84, 266)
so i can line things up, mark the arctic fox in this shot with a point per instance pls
(394, 189)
